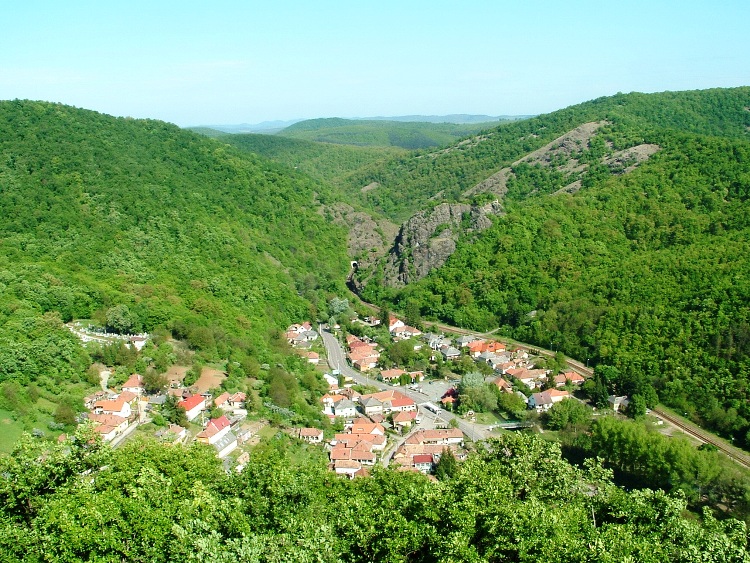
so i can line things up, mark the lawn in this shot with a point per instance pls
(488, 418)
(10, 431)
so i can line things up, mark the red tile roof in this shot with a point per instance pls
(191, 402)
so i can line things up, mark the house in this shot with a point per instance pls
(371, 405)
(109, 426)
(345, 409)
(446, 437)
(392, 400)
(363, 426)
(476, 347)
(237, 400)
(347, 467)
(392, 375)
(404, 419)
(569, 377)
(503, 384)
(312, 357)
(616, 403)
(394, 323)
(226, 445)
(543, 401)
(464, 341)
(134, 384)
(450, 353)
(496, 347)
(404, 332)
(329, 402)
(119, 407)
(214, 431)
(193, 406)
(297, 334)
(448, 401)
(222, 401)
(374, 441)
(422, 462)
(436, 341)
(416, 376)
(366, 364)
(530, 377)
(311, 435)
(400, 404)
(91, 400)
(333, 382)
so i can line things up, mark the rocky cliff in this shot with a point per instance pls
(426, 240)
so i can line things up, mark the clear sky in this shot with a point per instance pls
(234, 61)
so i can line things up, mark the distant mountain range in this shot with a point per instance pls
(271, 127)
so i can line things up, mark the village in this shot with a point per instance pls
(378, 415)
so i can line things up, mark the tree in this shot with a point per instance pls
(154, 382)
(567, 413)
(174, 413)
(636, 406)
(65, 414)
(385, 316)
(447, 466)
(120, 319)
(511, 403)
(337, 306)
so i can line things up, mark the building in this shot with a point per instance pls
(193, 406)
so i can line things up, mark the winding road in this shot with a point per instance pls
(337, 360)
(735, 454)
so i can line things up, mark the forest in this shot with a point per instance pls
(645, 271)
(516, 499)
(214, 245)
(139, 226)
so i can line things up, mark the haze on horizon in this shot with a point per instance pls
(229, 62)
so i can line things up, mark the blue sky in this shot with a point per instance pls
(231, 61)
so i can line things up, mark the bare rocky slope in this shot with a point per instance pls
(428, 238)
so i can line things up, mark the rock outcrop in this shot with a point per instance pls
(428, 239)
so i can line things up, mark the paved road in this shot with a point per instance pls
(337, 360)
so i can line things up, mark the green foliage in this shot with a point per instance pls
(146, 226)
(645, 458)
(568, 413)
(636, 406)
(516, 500)
(511, 403)
(447, 466)
(410, 135)
(173, 413)
(645, 272)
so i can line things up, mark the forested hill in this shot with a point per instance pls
(381, 133)
(221, 247)
(410, 183)
(644, 270)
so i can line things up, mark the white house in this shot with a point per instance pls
(193, 406)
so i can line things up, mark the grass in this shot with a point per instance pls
(267, 431)
(10, 431)
(488, 418)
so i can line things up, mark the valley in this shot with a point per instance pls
(537, 291)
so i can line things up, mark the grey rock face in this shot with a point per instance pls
(428, 239)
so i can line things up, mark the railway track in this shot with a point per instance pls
(731, 452)
(705, 437)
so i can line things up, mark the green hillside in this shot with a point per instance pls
(412, 182)
(647, 272)
(330, 163)
(377, 133)
(171, 231)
